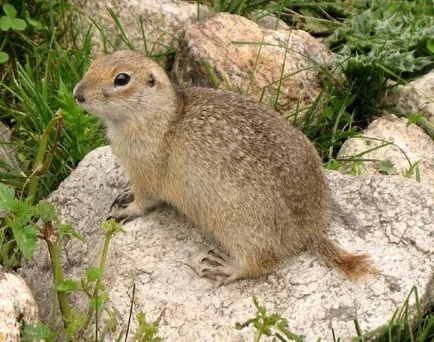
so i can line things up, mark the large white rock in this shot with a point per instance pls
(17, 306)
(396, 224)
(229, 51)
(410, 145)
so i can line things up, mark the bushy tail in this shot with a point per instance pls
(354, 266)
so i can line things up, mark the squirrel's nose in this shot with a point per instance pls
(79, 94)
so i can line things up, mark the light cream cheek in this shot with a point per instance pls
(114, 111)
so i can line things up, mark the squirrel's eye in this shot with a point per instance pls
(122, 79)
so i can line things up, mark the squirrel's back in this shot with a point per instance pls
(230, 150)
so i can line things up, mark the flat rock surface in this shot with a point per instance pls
(395, 225)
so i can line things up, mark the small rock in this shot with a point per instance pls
(7, 151)
(268, 21)
(416, 96)
(156, 252)
(163, 21)
(411, 145)
(17, 306)
(229, 51)
(427, 301)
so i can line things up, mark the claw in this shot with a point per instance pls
(218, 265)
(118, 219)
(228, 280)
(207, 273)
(123, 200)
(122, 216)
(214, 257)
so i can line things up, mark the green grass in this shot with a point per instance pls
(37, 82)
(40, 87)
(240, 7)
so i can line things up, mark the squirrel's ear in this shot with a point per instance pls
(151, 80)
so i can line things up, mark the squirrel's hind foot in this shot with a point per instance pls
(216, 265)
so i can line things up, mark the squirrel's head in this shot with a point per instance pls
(122, 86)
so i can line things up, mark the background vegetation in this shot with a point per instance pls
(43, 55)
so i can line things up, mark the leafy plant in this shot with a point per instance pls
(18, 24)
(27, 223)
(32, 332)
(9, 21)
(386, 167)
(44, 64)
(388, 40)
(396, 36)
(19, 234)
(268, 325)
(329, 121)
(146, 332)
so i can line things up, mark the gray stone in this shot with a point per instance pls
(411, 145)
(416, 96)
(427, 301)
(17, 306)
(8, 152)
(163, 22)
(229, 51)
(396, 226)
(268, 21)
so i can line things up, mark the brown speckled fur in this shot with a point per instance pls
(234, 167)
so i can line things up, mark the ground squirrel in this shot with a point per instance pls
(234, 167)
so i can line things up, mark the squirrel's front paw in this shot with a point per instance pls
(123, 200)
(124, 215)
